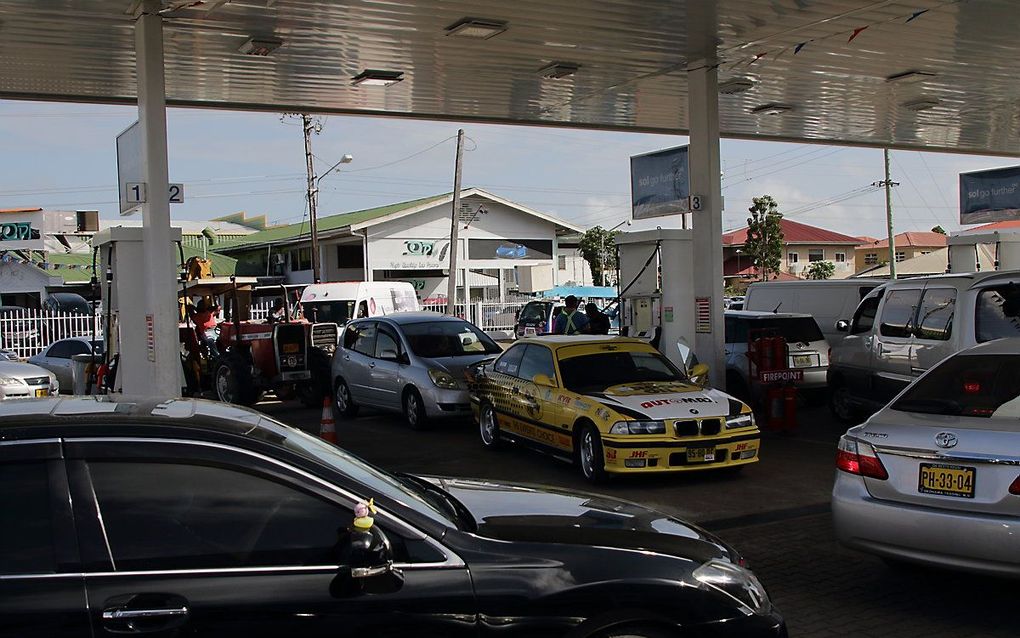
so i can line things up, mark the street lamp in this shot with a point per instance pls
(313, 204)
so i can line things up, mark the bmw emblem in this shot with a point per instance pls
(693, 411)
(946, 439)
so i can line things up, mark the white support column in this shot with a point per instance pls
(156, 370)
(706, 182)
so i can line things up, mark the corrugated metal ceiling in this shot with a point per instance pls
(632, 54)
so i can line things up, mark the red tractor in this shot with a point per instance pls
(286, 355)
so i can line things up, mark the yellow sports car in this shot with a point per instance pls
(610, 404)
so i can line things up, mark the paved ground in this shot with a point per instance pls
(776, 512)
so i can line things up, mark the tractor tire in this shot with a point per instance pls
(318, 388)
(232, 381)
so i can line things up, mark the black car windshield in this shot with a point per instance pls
(968, 385)
(340, 311)
(535, 311)
(793, 329)
(602, 370)
(998, 313)
(435, 339)
(378, 482)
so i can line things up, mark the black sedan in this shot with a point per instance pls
(191, 518)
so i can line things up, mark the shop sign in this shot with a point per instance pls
(22, 230)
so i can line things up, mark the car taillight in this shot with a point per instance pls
(859, 458)
(1015, 487)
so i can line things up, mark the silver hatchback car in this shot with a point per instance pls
(934, 477)
(410, 362)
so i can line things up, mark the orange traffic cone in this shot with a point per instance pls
(327, 427)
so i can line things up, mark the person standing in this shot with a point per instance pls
(598, 321)
(204, 318)
(570, 321)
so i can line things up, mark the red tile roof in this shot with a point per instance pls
(913, 240)
(19, 210)
(865, 239)
(795, 233)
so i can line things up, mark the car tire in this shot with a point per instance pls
(414, 409)
(839, 403)
(488, 426)
(285, 391)
(233, 383)
(314, 391)
(590, 455)
(637, 631)
(344, 406)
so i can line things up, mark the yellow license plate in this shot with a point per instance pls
(700, 454)
(946, 480)
(42, 392)
(290, 348)
(802, 361)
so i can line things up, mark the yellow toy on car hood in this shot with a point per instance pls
(611, 405)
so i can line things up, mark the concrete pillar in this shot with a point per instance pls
(706, 182)
(154, 370)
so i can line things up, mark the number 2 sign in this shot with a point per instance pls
(136, 193)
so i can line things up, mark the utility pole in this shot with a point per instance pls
(888, 184)
(313, 192)
(451, 287)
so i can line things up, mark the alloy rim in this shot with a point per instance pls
(488, 426)
(587, 453)
(341, 396)
(224, 384)
(412, 409)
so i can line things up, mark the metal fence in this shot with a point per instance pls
(29, 332)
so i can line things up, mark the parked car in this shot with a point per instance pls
(66, 302)
(196, 518)
(339, 302)
(806, 346)
(903, 328)
(9, 355)
(17, 331)
(827, 300)
(410, 362)
(57, 358)
(25, 381)
(934, 477)
(537, 318)
(612, 405)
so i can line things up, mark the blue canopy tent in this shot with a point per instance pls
(585, 292)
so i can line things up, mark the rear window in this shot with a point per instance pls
(968, 385)
(998, 313)
(793, 329)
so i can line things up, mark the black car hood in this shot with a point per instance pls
(529, 513)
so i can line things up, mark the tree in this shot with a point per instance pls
(598, 248)
(821, 270)
(764, 243)
(939, 229)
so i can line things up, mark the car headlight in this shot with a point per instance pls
(638, 427)
(443, 379)
(12, 381)
(735, 582)
(740, 421)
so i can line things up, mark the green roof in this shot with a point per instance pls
(77, 267)
(332, 222)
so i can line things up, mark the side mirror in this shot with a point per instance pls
(842, 325)
(389, 355)
(543, 380)
(699, 374)
(366, 564)
(686, 356)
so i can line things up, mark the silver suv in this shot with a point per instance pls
(905, 327)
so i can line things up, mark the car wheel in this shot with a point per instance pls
(488, 426)
(233, 383)
(632, 632)
(414, 410)
(590, 455)
(343, 403)
(840, 403)
(285, 391)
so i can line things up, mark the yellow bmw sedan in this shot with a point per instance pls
(612, 405)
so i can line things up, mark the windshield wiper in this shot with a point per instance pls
(461, 514)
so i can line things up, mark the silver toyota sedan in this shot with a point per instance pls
(409, 362)
(934, 477)
(25, 381)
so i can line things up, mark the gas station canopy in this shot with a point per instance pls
(922, 74)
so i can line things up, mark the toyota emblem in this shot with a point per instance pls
(946, 439)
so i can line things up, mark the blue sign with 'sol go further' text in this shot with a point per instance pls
(659, 183)
(990, 196)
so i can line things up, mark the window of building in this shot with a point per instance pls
(840, 258)
(301, 259)
(792, 258)
(925, 252)
(350, 256)
(870, 259)
(562, 262)
(900, 255)
(26, 535)
(815, 254)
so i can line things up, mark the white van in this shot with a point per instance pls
(827, 300)
(339, 302)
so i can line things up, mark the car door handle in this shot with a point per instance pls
(371, 364)
(917, 371)
(347, 357)
(133, 614)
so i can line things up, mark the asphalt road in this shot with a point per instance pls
(776, 512)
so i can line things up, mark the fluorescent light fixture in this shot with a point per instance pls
(559, 70)
(260, 46)
(921, 104)
(735, 85)
(771, 109)
(910, 77)
(370, 77)
(479, 28)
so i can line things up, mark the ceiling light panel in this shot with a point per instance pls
(478, 28)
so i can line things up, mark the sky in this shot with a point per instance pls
(63, 157)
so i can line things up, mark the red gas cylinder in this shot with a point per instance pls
(790, 408)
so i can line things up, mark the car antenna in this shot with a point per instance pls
(776, 309)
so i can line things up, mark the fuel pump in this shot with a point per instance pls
(656, 287)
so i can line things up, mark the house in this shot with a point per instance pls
(802, 245)
(908, 245)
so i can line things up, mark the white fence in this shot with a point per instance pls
(29, 332)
